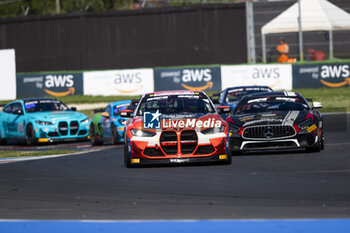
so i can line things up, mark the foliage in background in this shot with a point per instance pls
(13, 8)
(12, 153)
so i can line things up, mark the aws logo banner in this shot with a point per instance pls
(199, 79)
(118, 82)
(50, 84)
(278, 77)
(321, 75)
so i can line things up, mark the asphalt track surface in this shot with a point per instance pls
(96, 185)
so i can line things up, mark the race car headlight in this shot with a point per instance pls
(213, 130)
(142, 133)
(44, 122)
(233, 128)
(305, 124)
(122, 121)
(86, 120)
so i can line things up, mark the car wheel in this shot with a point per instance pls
(114, 136)
(228, 161)
(314, 148)
(30, 136)
(236, 153)
(322, 142)
(93, 136)
(2, 141)
(127, 162)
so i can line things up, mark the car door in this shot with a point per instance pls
(16, 121)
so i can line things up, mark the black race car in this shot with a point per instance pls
(275, 120)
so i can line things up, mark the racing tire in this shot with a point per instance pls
(93, 136)
(127, 161)
(236, 153)
(2, 141)
(114, 135)
(322, 142)
(316, 148)
(30, 136)
(228, 161)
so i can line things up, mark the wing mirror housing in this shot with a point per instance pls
(316, 105)
(224, 109)
(105, 114)
(126, 113)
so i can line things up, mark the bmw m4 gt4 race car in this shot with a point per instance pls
(232, 95)
(42, 120)
(109, 125)
(175, 127)
(275, 120)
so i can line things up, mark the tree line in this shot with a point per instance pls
(14, 8)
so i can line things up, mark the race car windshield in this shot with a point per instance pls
(176, 104)
(266, 105)
(44, 106)
(236, 95)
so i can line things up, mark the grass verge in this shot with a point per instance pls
(332, 99)
(12, 153)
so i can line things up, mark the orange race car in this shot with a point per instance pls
(175, 127)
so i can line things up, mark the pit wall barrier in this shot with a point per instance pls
(203, 78)
(321, 75)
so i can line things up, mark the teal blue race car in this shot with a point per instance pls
(108, 126)
(40, 120)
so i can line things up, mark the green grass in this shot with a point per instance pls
(333, 100)
(12, 153)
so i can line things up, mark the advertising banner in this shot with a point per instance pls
(7, 74)
(321, 75)
(198, 79)
(118, 82)
(49, 84)
(278, 77)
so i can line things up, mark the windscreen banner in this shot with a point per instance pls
(49, 84)
(196, 79)
(278, 77)
(321, 75)
(118, 82)
(7, 74)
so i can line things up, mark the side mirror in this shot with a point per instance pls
(224, 109)
(316, 105)
(105, 114)
(73, 109)
(126, 113)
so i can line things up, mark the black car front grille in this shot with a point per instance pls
(74, 127)
(63, 128)
(188, 141)
(168, 142)
(153, 152)
(82, 132)
(268, 131)
(53, 134)
(202, 150)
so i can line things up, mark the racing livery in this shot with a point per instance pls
(42, 120)
(275, 120)
(232, 95)
(175, 127)
(109, 125)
